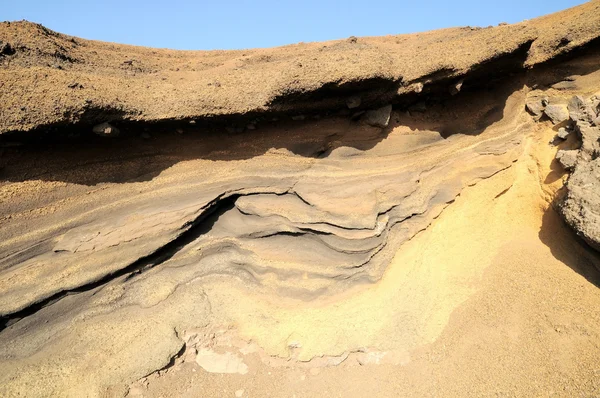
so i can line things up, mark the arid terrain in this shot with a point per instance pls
(413, 215)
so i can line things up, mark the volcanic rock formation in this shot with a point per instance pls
(238, 222)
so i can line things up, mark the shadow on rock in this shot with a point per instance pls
(568, 248)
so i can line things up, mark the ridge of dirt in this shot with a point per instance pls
(49, 79)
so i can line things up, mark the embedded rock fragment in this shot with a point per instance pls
(536, 103)
(456, 87)
(106, 130)
(378, 117)
(558, 113)
(563, 133)
(567, 159)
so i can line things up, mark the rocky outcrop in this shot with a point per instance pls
(581, 207)
(290, 196)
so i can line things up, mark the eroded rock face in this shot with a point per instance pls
(298, 223)
(581, 207)
(318, 239)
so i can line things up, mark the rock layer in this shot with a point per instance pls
(93, 82)
(317, 238)
(581, 207)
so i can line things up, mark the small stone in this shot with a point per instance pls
(563, 133)
(251, 126)
(567, 159)
(179, 131)
(558, 113)
(536, 106)
(378, 117)
(455, 88)
(106, 129)
(239, 393)
(418, 87)
(145, 136)
(352, 39)
(298, 117)
(353, 102)
(192, 122)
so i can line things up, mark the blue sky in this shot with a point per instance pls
(231, 24)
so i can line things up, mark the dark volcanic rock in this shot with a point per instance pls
(581, 207)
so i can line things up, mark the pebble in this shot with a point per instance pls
(106, 129)
(239, 393)
(455, 88)
(535, 107)
(563, 133)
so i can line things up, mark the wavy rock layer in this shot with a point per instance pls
(310, 245)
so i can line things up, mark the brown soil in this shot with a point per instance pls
(55, 79)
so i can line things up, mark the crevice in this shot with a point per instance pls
(192, 230)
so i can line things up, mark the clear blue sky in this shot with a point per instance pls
(231, 24)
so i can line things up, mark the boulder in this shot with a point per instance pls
(558, 113)
(567, 159)
(378, 117)
(535, 106)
